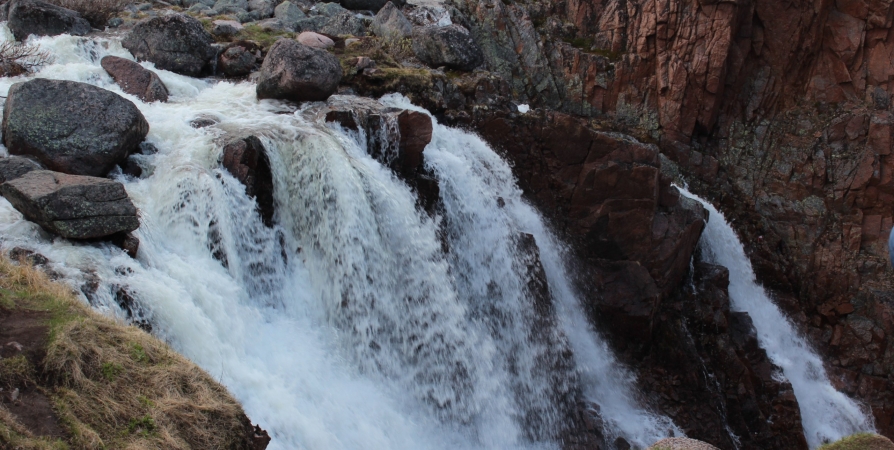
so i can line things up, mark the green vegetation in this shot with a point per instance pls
(264, 38)
(860, 441)
(110, 385)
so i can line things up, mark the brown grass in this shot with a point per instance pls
(115, 386)
(97, 12)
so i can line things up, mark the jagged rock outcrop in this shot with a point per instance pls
(390, 23)
(174, 42)
(299, 73)
(246, 159)
(72, 206)
(135, 79)
(27, 17)
(780, 113)
(450, 46)
(71, 127)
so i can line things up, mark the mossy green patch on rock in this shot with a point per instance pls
(861, 441)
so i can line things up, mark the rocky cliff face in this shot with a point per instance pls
(778, 111)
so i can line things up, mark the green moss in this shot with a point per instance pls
(110, 371)
(138, 353)
(266, 38)
(144, 426)
(860, 441)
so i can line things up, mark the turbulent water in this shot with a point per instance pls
(358, 321)
(826, 414)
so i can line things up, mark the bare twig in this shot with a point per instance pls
(17, 59)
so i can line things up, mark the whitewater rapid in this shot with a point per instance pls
(346, 325)
(826, 414)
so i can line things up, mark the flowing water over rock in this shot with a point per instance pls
(827, 415)
(357, 320)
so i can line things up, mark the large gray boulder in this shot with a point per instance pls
(343, 24)
(27, 17)
(173, 42)
(296, 72)
(13, 167)
(288, 13)
(264, 8)
(71, 127)
(135, 79)
(451, 46)
(391, 23)
(72, 206)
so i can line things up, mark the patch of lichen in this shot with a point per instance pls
(264, 37)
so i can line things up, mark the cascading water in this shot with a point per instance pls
(826, 414)
(347, 325)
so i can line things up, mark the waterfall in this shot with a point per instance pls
(826, 414)
(346, 325)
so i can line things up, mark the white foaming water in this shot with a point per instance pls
(347, 325)
(826, 414)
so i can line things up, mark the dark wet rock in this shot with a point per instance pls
(132, 167)
(15, 166)
(246, 159)
(415, 134)
(451, 46)
(135, 79)
(238, 59)
(174, 42)
(296, 72)
(72, 206)
(27, 17)
(29, 256)
(368, 5)
(127, 242)
(147, 148)
(71, 127)
(133, 311)
(203, 121)
(391, 23)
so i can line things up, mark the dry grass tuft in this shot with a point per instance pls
(97, 12)
(115, 386)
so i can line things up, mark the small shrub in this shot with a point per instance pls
(18, 59)
(143, 426)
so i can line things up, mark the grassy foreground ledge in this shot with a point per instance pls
(860, 441)
(73, 378)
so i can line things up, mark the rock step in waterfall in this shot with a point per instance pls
(827, 415)
(303, 215)
(465, 346)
